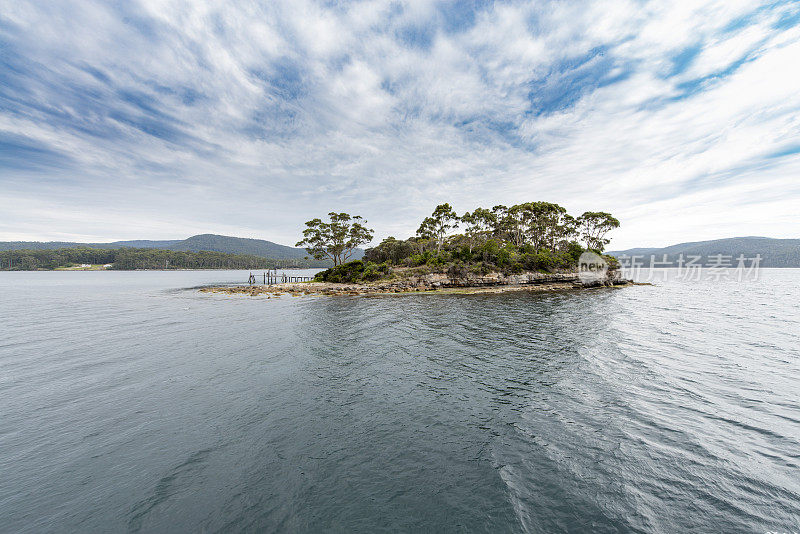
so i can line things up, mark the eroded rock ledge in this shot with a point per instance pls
(439, 283)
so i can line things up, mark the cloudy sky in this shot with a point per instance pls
(163, 119)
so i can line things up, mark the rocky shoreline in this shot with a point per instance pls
(431, 283)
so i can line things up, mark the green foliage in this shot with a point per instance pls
(349, 272)
(337, 239)
(376, 271)
(593, 227)
(504, 255)
(354, 272)
(435, 227)
(480, 268)
(533, 236)
(419, 259)
(480, 223)
(457, 270)
(542, 260)
(391, 250)
(613, 263)
(462, 253)
(489, 251)
(574, 251)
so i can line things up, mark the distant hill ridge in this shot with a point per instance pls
(197, 243)
(774, 252)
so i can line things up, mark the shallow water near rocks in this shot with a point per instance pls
(130, 402)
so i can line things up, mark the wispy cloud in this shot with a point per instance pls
(161, 119)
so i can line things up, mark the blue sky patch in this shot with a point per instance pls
(385, 109)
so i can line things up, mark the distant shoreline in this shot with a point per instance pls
(133, 259)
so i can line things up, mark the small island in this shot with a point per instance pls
(534, 246)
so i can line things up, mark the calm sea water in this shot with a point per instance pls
(130, 402)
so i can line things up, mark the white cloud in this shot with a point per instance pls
(250, 120)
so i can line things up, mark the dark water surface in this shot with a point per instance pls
(129, 403)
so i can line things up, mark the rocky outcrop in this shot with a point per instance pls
(439, 280)
(492, 283)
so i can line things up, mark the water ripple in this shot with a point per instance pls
(132, 402)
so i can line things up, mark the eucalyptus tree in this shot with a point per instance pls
(500, 213)
(390, 249)
(442, 220)
(565, 232)
(509, 223)
(479, 224)
(337, 239)
(516, 219)
(418, 244)
(593, 227)
(544, 224)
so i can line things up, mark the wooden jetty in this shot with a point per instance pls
(270, 279)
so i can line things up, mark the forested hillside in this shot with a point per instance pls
(197, 243)
(774, 252)
(135, 258)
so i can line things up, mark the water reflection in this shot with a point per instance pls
(129, 405)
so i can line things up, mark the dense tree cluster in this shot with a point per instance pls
(535, 236)
(31, 260)
(134, 258)
(354, 272)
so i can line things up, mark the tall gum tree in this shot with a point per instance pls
(442, 220)
(336, 240)
(594, 226)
